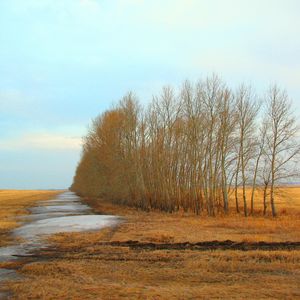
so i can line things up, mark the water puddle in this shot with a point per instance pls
(64, 224)
(65, 213)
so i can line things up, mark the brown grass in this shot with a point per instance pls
(77, 266)
(98, 272)
(181, 227)
(14, 203)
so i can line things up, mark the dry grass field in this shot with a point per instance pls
(14, 203)
(89, 266)
(97, 272)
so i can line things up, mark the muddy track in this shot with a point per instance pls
(209, 245)
(54, 252)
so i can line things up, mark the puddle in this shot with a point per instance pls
(6, 274)
(65, 213)
(64, 224)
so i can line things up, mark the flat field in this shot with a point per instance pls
(13, 203)
(128, 262)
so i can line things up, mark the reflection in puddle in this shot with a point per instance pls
(64, 224)
(6, 274)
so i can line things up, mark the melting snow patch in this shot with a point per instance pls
(66, 224)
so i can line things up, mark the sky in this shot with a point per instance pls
(63, 62)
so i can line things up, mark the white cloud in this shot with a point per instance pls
(42, 141)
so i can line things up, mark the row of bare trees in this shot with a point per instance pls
(200, 149)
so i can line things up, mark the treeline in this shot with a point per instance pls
(192, 149)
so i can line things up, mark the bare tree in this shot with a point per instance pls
(189, 149)
(247, 110)
(259, 144)
(282, 144)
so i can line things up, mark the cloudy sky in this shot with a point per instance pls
(64, 61)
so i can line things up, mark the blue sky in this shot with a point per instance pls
(62, 62)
